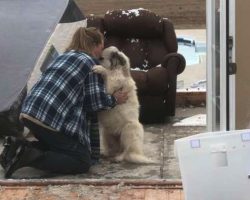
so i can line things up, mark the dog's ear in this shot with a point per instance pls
(117, 59)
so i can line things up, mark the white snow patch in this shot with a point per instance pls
(132, 12)
(138, 69)
(134, 40)
(196, 120)
(146, 64)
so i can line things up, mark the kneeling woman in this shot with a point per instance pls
(57, 108)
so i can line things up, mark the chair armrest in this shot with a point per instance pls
(174, 60)
(175, 64)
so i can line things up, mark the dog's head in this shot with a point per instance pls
(112, 58)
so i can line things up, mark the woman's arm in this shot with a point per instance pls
(96, 97)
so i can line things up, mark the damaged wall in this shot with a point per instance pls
(183, 13)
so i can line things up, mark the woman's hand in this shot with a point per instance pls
(120, 96)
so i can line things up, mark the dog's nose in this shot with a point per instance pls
(101, 58)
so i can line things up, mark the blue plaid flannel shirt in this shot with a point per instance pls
(66, 92)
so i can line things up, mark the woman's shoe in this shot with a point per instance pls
(3, 156)
(11, 144)
(17, 162)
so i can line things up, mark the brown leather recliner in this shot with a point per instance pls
(151, 45)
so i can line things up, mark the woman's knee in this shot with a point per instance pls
(84, 167)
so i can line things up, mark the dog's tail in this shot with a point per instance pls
(139, 159)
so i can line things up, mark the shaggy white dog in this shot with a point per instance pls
(121, 131)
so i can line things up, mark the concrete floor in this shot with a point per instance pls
(159, 145)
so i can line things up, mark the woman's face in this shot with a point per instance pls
(97, 51)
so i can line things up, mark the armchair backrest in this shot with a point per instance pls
(141, 34)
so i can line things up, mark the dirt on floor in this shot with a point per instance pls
(108, 180)
(159, 146)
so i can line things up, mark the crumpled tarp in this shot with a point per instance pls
(25, 27)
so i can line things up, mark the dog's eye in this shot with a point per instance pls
(101, 58)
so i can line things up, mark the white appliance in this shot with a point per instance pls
(215, 165)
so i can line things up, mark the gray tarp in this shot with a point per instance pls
(25, 27)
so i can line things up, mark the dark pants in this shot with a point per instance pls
(57, 152)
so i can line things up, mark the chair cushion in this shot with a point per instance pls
(133, 48)
(156, 50)
(140, 78)
(143, 53)
(151, 82)
(157, 81)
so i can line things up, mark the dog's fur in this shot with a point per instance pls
(121, 131)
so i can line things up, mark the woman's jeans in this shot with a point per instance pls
(56, 152)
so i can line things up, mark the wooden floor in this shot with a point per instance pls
(84, 190)
(150, 194)
(40, 193)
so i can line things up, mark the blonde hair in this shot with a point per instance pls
(85, 39)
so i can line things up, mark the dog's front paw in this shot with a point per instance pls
(99, 69)
(118, 158)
